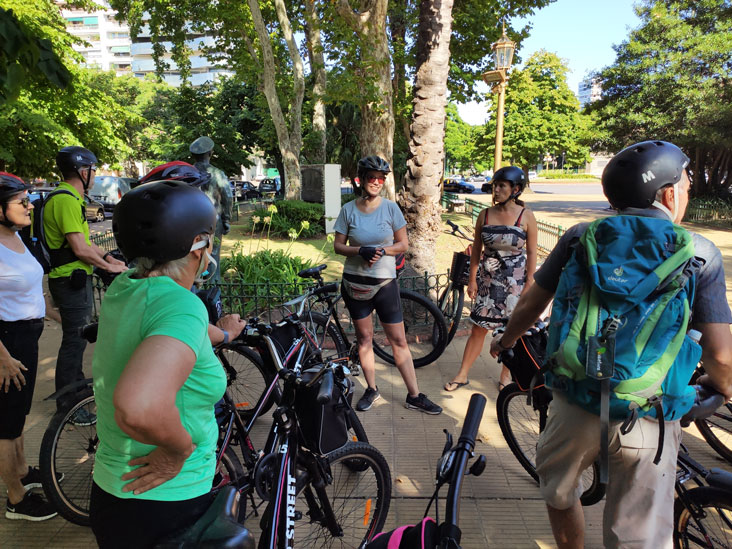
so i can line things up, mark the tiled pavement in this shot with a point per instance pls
(501, 508)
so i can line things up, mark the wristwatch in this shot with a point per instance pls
(226, 338)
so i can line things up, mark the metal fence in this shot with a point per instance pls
(708, 213)
(104, 240)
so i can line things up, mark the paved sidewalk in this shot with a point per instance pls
(501, 508)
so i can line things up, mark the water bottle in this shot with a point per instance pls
(694, 335)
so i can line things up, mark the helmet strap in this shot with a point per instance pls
(207, 265)
(512, 197)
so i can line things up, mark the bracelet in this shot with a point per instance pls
(104, 257)
(226, 338)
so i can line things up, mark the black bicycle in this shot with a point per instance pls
(451, 469)
(703, 513)
(452, 299)
(424, 324)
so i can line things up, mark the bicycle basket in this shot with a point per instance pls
(323, 427)
(460, 269)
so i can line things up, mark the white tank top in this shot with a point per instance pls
(21, 285)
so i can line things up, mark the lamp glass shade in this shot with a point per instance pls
(503, 52)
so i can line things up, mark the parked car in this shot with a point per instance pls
(487, 187)
(108, 189)
(455, 185)
(94, 208)
(270, 185)
(247, 191)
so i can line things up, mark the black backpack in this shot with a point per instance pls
(34, 236)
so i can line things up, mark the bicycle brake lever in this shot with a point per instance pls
(448, 441)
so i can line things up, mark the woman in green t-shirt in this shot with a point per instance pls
(156, 378)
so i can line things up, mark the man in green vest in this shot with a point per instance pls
(73, 257)
(218, 190)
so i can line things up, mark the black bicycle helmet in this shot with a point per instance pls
(10, 185)
(515, 176)
(72, 159)
(634, 175)
(161, 219)
(177, 171)
(375, 163)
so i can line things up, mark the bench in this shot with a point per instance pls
(456, 205)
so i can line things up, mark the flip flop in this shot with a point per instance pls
(457, 385)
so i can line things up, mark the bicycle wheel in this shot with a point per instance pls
(521, 425)
(356, 433)
(717, 430)
(248, 379)
(424, 327)
(68, 452)
(329, 340)
(451, 305)
(359, 499)
(706, 522)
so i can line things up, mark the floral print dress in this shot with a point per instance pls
(501, 274)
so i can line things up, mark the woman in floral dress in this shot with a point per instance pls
(502, 264)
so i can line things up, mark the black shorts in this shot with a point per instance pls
(140, 523)
(386, 302)
(20, 338)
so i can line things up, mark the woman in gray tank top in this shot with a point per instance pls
(370, 231)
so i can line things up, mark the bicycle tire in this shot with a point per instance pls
(717, 431)
(70, 450)
(520, 424)
(424, 327)
(451, 303)
(330, 341)
(360, 499)
(716, 519)
(248, 379)
(356, 433)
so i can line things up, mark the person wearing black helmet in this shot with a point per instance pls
(370, 231)
(646, 180)
(218, 190)
(156, 377)
(22, 308)
(73, 256)
(506, 234)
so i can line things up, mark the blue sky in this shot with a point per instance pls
(582, 32)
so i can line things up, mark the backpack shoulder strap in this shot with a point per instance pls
(518, 220)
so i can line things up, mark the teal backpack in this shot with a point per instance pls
(617, 336)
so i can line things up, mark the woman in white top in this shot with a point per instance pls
(22, 308)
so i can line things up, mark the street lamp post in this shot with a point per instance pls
(503, 56)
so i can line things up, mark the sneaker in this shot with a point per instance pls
(423, 404)
(33, 478)
(31, 507)
(368, 399)
(83, 417)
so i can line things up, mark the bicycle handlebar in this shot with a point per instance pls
(706, 402)
(473, 417)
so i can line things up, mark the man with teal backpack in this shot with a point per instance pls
(627, 289)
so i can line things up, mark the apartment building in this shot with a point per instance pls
(589, 90)
(107, 41)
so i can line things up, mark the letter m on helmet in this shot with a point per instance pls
(647, 176)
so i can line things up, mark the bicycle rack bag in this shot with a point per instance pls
(323, 426)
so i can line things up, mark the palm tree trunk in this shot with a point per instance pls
(421, 193)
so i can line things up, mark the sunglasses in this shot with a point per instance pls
(379, 178)
(25, 201)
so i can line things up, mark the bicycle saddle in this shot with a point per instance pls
(312, 272)
(217, 528)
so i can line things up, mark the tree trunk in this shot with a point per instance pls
(317, 67)
(289, 139)
(421, 193)
(377, 115)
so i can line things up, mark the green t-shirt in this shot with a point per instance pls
(134, 309)
(63, 215)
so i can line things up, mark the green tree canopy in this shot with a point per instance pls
(671, 80)
(542, 116)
